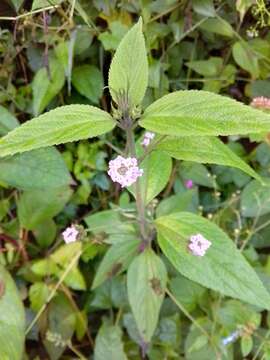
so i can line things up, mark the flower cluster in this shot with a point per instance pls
(148, 137)
(261, 102)
(70, 234)
(198, 245)
(125, 171)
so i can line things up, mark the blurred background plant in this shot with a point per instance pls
(55, 52)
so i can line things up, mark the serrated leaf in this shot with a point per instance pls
(255, 199)
(88, 81)
(208, 150)
(47, 86)
(157, 168)
(37, 169)
(146, 283)
(36, 206)
(12, 319)
(109, 343)
(193, 112)
(7, 121)
(223, 268)
(129, 67)
(61, 125)
(115, 261)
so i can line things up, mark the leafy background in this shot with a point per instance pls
(55, 52)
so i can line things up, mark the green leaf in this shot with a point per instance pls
(116, 260)
(129, 67)
(198, 173)
(17, 4)
(218, 26)
(223, 268)
(37, 169)
(157, 168)
(61, 321)
(7, 121)
(12, 320)
(36, 206)
(88, 81)
(204, 150)
(109, 343)
(186, 201)
(204, 7)
(38, 295)
(246, 345)
(245, 58)
(47, 86)
(111, 40)
(187, 292)
(207, 68)
(255, 199)
(61, 125)
(193, 112)
(39, 4)
(146, 283)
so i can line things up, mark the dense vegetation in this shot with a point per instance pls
(67, 301)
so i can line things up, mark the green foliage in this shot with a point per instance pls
(146, 282)
(46, 85)
(129, 287)
(57, 127)
(228, 273)
(109, 343)
(191, 113)
(12, 318)
(36, 206)
(116, 260)
(204, 150)
(129, 68)
(88, 81)
(35, 170)
(7, 121)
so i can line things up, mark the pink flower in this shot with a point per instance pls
(148, 136)
(70, 234)
(125, 171)
(198, 245)
(189, 184)
(261, 102)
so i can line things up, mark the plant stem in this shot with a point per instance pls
(139, 200)
(54, 290)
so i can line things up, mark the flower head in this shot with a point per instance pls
(231, 338)
(198, 245)
(70, 234)
(125, 171)
(189, 184)
(261, 102)
(148, 136)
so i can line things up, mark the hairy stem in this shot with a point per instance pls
(139, 200)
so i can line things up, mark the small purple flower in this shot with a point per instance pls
(70, 234)
(198, 245)
(189, 184)
(125, 171)
(148, 137)
(231, 338)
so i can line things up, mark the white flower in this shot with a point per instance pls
(70, 234)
